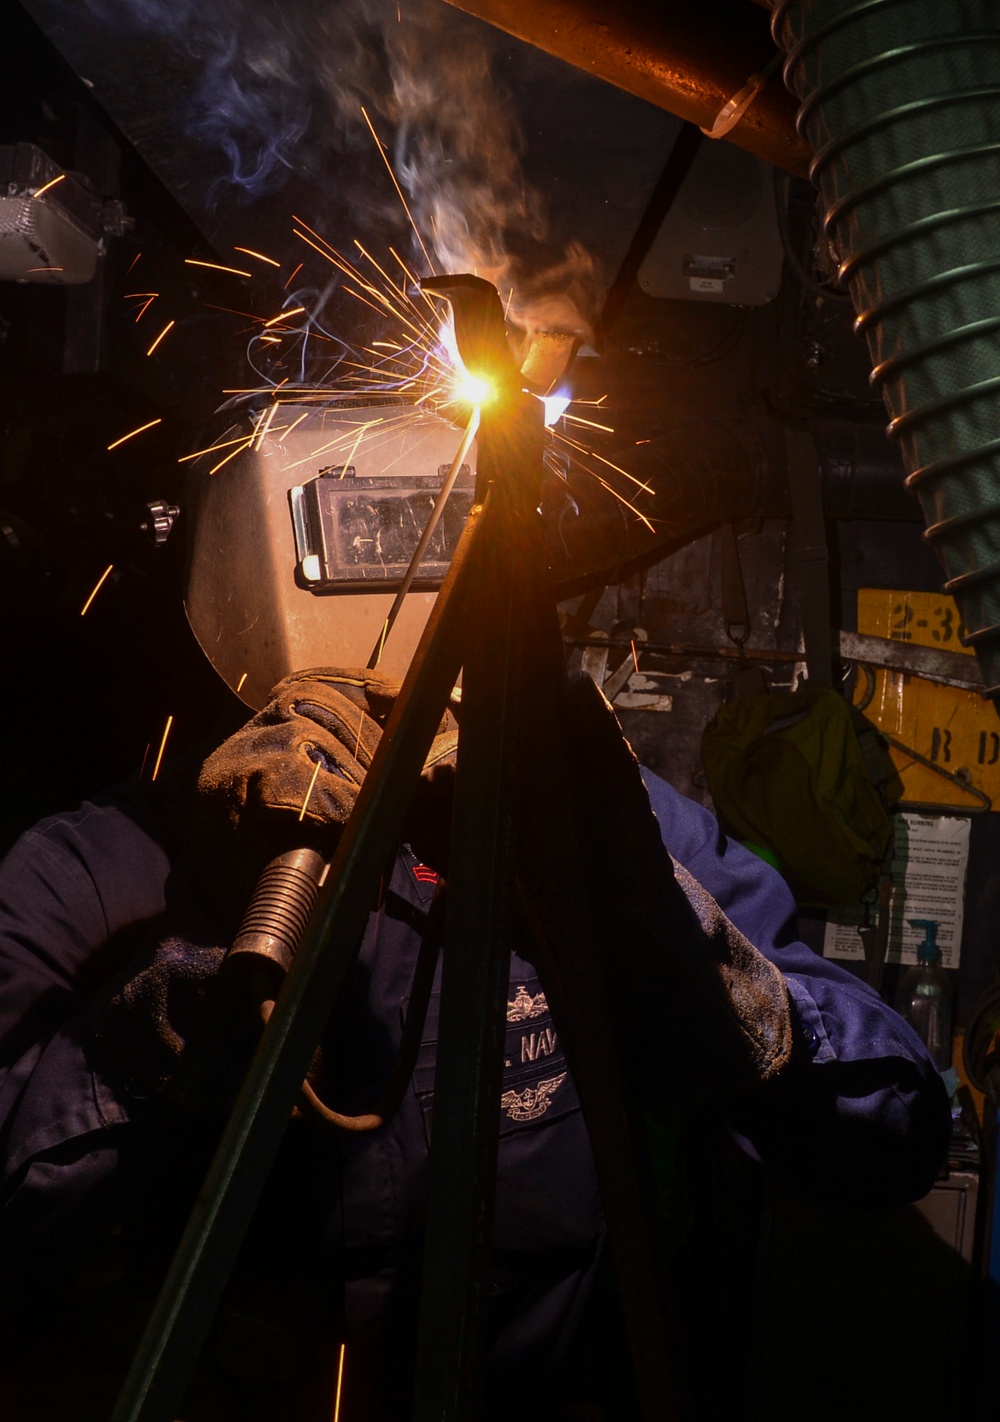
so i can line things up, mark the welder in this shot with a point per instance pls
(123, 1037)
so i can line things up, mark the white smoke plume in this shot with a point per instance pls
(279, 89)
(457, 151)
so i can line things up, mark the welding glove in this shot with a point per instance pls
(707, 1014)
(287, 780)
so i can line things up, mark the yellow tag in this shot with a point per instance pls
(956, 730)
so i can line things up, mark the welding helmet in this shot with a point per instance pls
(305, 520)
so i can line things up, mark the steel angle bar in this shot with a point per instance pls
(931, 663)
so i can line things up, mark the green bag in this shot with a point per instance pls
(788, 772)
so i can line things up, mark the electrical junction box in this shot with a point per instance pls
(720, 240)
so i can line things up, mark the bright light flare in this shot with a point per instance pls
(555, 407)
(472, 389)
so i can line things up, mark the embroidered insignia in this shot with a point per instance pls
(525, 1006)
(424, 874)
(533, 1101)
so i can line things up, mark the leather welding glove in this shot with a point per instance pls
(287, 780)
(707, 1014)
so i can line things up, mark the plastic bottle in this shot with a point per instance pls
(925, 996)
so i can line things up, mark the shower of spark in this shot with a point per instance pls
(409, 367)
(415, 357)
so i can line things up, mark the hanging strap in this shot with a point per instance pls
(747, 680)
(810, 553)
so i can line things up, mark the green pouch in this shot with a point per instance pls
(788, 772)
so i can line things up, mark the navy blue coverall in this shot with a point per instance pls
(81, 892)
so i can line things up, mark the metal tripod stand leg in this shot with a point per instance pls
(517, 807)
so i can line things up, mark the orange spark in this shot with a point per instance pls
(635, 656)
(382, 272)
(145, 307)
(293, 276)
(302, 812)
(426, 295)
(267, 424)
(340, 1380)
(646, 489)
(131, 433)
(259, 255)
(159, 338)
(592, 424)
(159, 757)
(239, 684)
(134, 260)
(43, 269)
(184, 459)
(97, 589)
(215, 267)
(295, 422)
(295, 311)
(50, 184)
(238, 450)
(385, 158)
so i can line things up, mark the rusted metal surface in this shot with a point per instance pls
(949, 668)
(688, 59)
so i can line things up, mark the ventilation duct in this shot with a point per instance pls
(900, 102)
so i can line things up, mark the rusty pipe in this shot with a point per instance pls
(687, 59)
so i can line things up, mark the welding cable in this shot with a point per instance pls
(310, 1103)
(795, 262)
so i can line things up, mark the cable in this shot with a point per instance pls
(792, 257)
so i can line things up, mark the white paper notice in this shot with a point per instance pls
(928, 875)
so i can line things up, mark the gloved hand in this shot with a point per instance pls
(704, 1015)
(287, 780)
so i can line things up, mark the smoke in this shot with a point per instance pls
(278, 89)
(458, 153)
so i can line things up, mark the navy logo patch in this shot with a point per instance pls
(533, 1101)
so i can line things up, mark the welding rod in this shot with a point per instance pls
(425, 538)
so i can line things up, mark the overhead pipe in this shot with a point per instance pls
(691, 60)
(900, 104)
